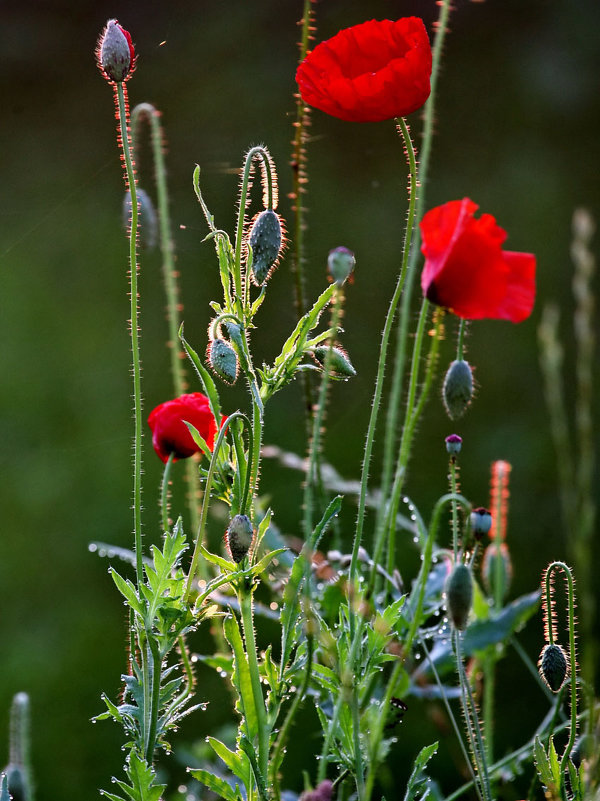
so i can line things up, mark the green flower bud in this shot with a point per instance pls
(458, 389)
(339, 361)
(489, 570)
(239, 537)
(553, 665)
(459, 595)
(265, 239)
(223, 360)
(340, 263)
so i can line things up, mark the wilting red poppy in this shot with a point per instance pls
(370, 72)
(170, 435)
(466, 269)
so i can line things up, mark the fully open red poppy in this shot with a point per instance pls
(370, 72)
(466, 269)
(170, 435)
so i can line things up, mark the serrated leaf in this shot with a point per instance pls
(216, 784)
(241, 674)
(554, 763)
(418, 781)
(198, 438)
(236, 762)
(263, 527)
(248, 749)
(225, 565)
(544, 768)
(127, 590)
(111, 796)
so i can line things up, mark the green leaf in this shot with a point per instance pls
(236, 763)
(198, 439)
(262, 528)
(205, 377)
(248, 749)
(225, 565)
(216, 784)
(554, 763)
(417, 784)
(241, 674)
(544, 768)
(127, 590)
(259, 567)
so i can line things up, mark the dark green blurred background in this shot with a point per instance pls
(517, 131)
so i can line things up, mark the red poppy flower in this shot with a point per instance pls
(170, 435)
(466, 269)
(370, 72)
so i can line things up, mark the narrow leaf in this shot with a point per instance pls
(216, 784)
(241, 674)
(234, 761)
(205, 377)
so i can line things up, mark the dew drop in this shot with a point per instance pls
(92, 547)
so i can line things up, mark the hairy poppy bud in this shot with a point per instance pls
(458, 389)
(459, 595)
(339, 361)
(490, 573)
(265, 240)
(453, 444)
(340, 263)
(115, 52)
(553, 666)
(223, 360)
(586, 746)
(481, 522)
(147, 222)
(239, 537)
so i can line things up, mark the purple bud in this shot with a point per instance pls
(453, 444)
(340, 263)
(115, 52)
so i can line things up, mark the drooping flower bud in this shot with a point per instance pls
(115, 52)
(459, 595)
(458, 389)
(490, 572)
(223, 360)
(340, 263)
(147, 222)
(265, 239)
(453, 444)
(339, 361)
(553, 665)
(481, 522)
(586, 746)
(239, 537)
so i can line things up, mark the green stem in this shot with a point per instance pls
(472, 723)
(245, 599)
(135, 346)
(389, 322)
(312, 473)
(454, 489)
(164, 493)
(153, 676)
(460, 340)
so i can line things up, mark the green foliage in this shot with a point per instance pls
(417, 788)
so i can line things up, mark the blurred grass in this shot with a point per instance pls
(517, 132)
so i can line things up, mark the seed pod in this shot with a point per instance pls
(265, 239)
(553, 665)
(239, 537)
(458, 389)
(339, 361)
(115, 52)
(223, 360)
(489, 569)
(147, 222)
(459, 595)
(340, 263)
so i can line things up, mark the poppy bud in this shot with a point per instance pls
(223, 360)
(340, 263)
(553, 666)
(339, 361)
(239, 536)
(481, 522)
(458, 389)
(115, 52)
(147, 222)
(489, 571)
(459, 595)
(453, 444)
(265, 240)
